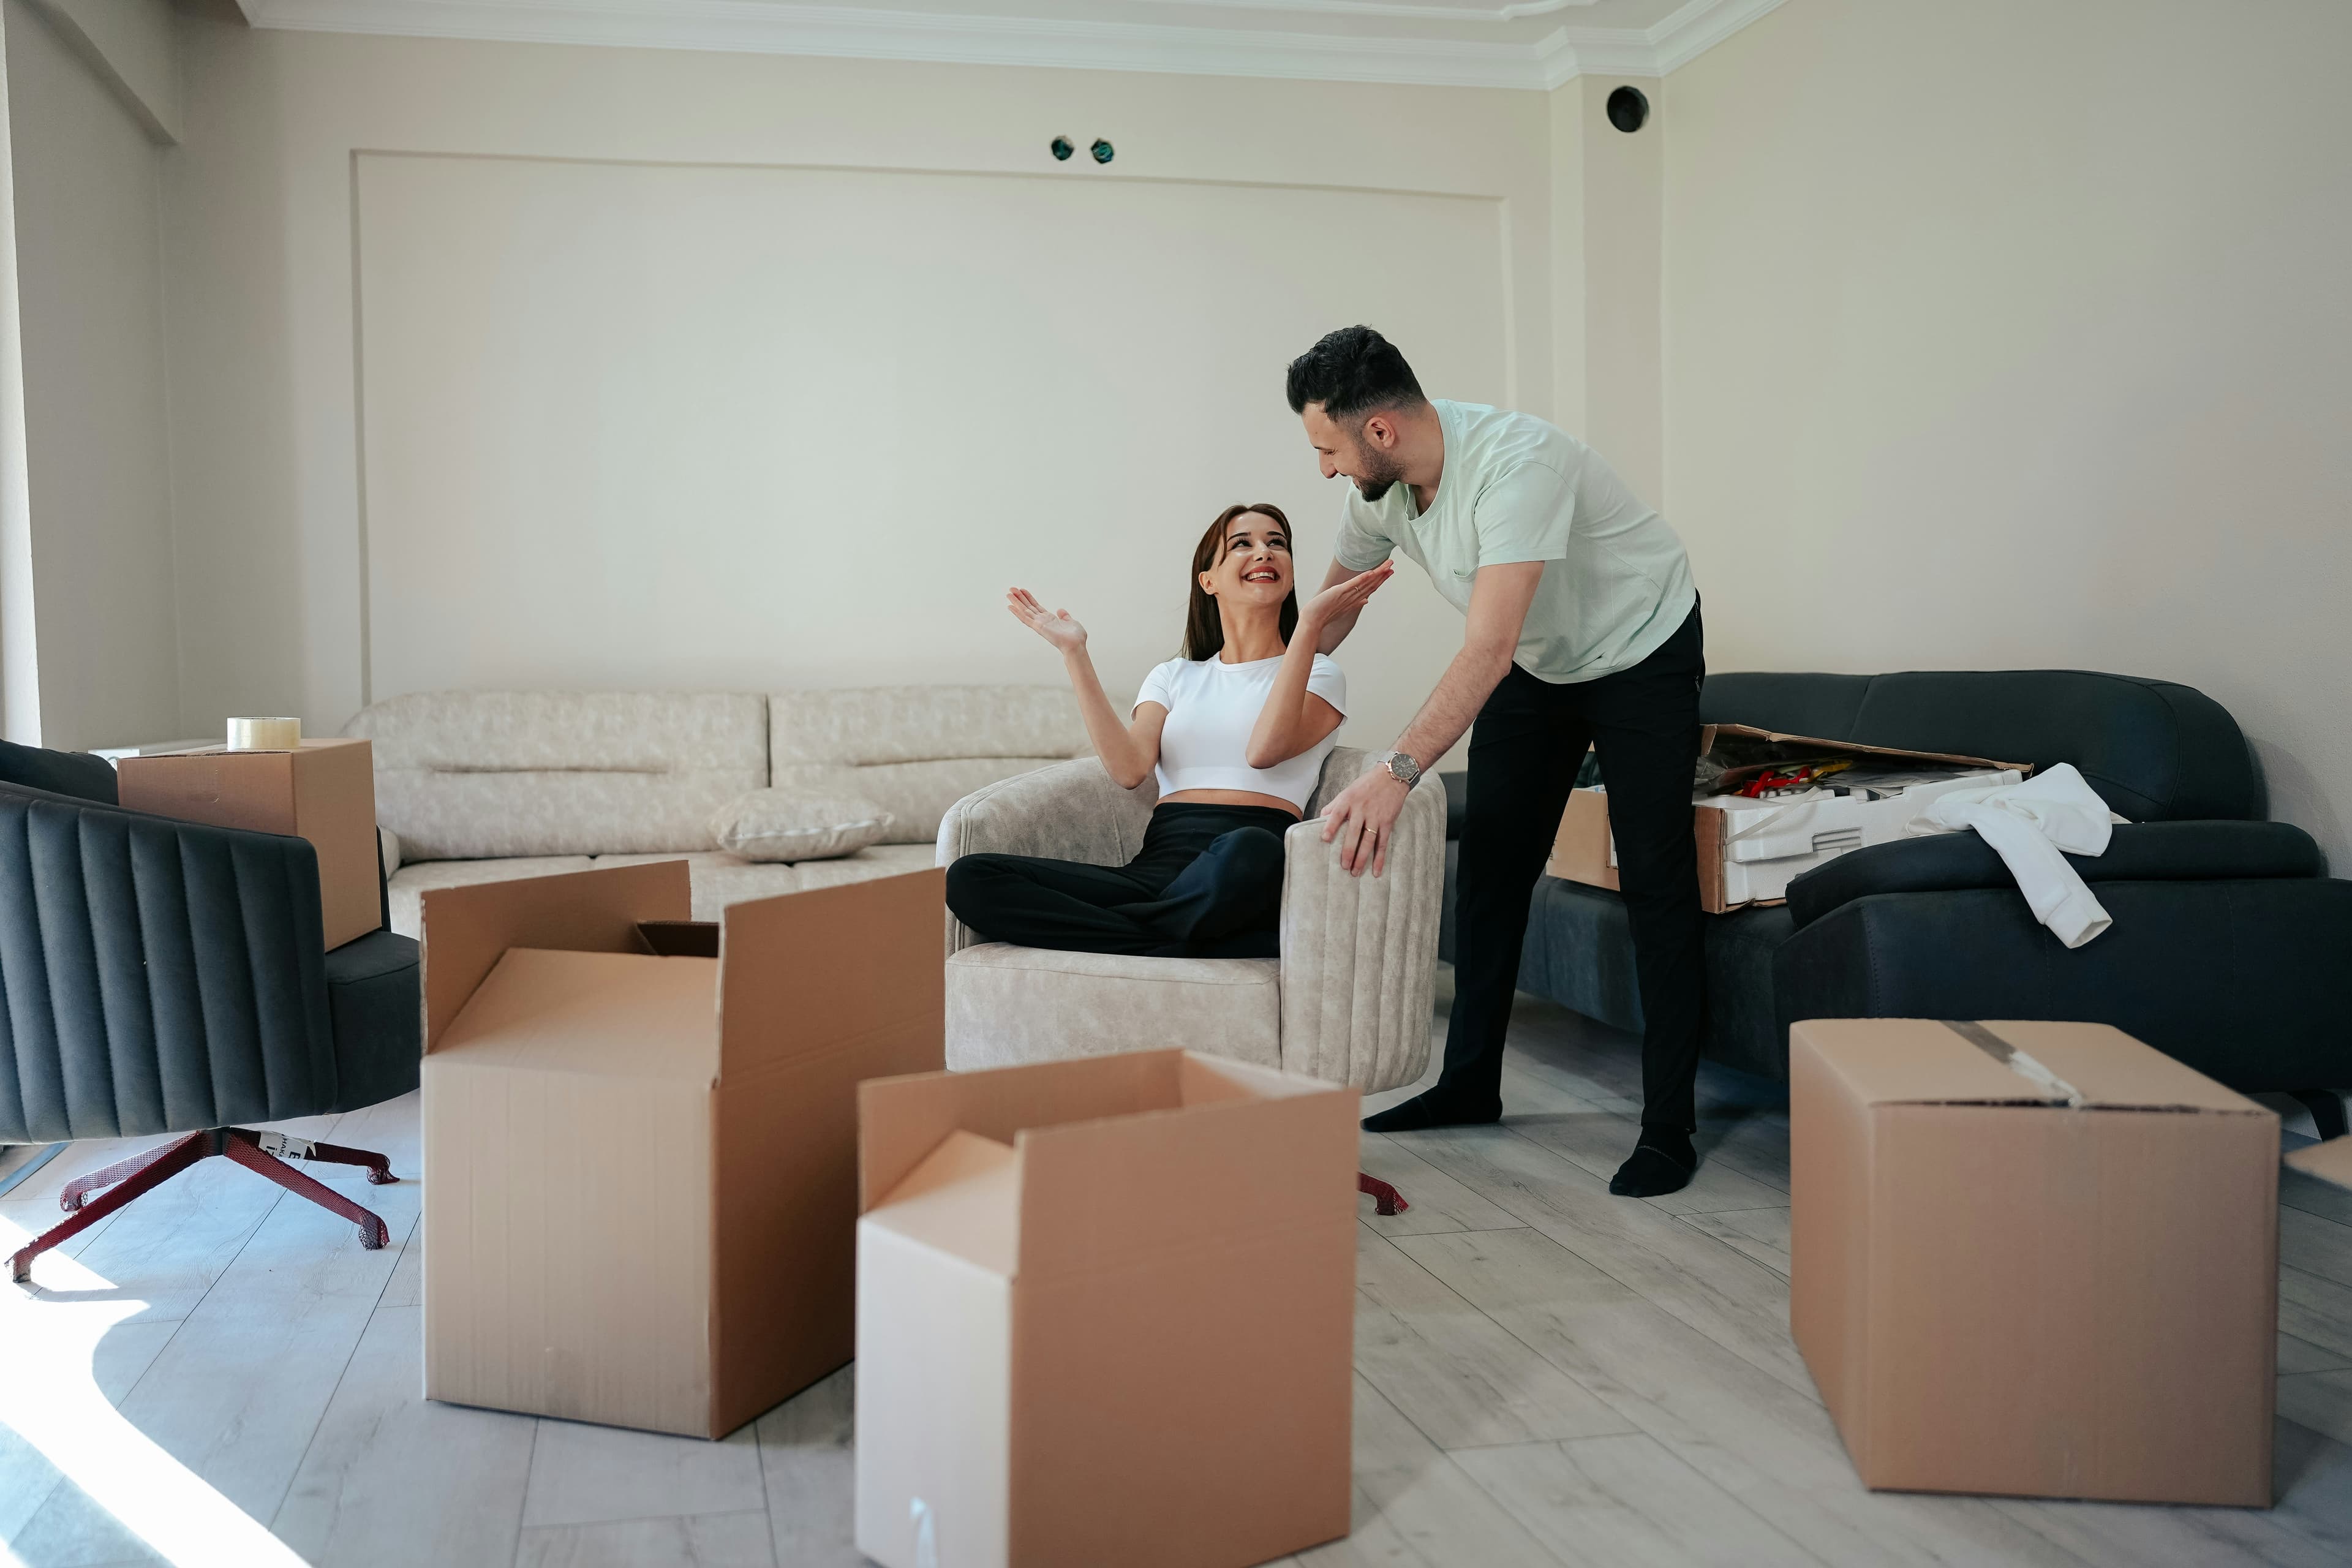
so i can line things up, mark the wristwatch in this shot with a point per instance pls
(1402, 768)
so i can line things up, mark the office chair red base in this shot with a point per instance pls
(1386, 1199)
(255, 1151)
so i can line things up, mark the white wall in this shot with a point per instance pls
(735, 427)
(132, 46)
(618, 329)
(2008, 334)
(89, 301)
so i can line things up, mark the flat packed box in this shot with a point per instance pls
(325, 793)
(2330, 1162)
(2033, 1260)
(641, 1142)
(1750, 850)
(1106, 1310)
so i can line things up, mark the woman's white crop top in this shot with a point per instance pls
(1212, 709)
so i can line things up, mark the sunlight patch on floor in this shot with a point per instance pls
(49, 1397)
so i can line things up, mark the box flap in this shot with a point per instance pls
(610, 1015)
(902, 1120)
(1100, 1196)
(826, 968)
(1897, 1061)
(1856, 748)
(964, 1200)
(2330, 1162)
(463, 931)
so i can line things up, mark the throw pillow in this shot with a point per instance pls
(797, 825)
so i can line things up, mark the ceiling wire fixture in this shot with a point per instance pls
(1103, 150)
(1061, 149)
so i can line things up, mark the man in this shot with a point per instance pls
(1583, 631)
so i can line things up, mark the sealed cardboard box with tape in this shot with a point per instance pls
(323, 791)
(1105, 1314)
(640, 1142)
(2033, 1259)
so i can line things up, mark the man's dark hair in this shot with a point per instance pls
(1351, 373)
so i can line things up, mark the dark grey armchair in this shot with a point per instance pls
(162, 977)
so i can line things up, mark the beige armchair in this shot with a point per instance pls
(1349, 1000)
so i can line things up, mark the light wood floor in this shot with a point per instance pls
(1547, 1376)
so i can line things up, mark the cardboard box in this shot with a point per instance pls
(2330, 1161)
(2033, 1259)
(324, 793)
(1105, 1314)
(640, 1164)
(1749, 850)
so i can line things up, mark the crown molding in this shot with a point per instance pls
(1698, 26)
(856, 32)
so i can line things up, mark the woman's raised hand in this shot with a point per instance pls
(1055, 626)
(1345, 598)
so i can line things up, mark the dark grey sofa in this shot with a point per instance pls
(2229, 939)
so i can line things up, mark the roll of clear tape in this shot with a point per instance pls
(265, 734)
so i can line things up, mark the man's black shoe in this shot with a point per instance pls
(1663, 1161)
(1427, 1110)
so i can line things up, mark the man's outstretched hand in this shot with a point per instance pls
(1362, 817)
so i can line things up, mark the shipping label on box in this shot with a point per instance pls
(1106, 1314)
(641, 1172)
(2033, 1259)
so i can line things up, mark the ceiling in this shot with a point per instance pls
(1530, 43)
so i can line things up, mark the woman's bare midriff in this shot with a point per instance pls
(1229, 797)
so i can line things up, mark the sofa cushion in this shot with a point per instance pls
(2137, 852)
(718, 879)
(413, 881)
(463, 775)
(374, 994)
(881, 861)
(790, 825)
(915, 751)
(1007, 1006)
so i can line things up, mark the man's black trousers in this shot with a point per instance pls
(1529, 738)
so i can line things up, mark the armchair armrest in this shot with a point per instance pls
(2137, 852)
(1359, 953)
(1070, 811)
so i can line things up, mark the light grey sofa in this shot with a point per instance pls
(478, 786)
(1348, 1001)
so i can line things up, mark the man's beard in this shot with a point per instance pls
(1379, 473)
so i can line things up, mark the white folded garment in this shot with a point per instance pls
(2029, 825)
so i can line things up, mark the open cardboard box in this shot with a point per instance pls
(1105, 1314)
(1749, 850)
(324, 791)
(640, 1136)
(2033, 1259)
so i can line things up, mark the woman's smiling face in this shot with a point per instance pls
(1255, 568)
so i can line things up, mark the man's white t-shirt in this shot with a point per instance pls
(1212, 709)
(1616, 584)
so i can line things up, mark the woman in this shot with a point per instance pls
(1237, 729)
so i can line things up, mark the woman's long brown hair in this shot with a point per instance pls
(1205, 629)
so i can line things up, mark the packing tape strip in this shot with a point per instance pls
(2015, 1060)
